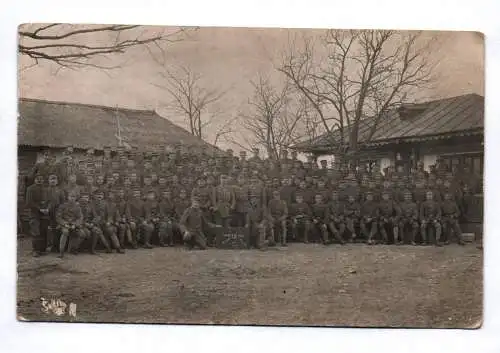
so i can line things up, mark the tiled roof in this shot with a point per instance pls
(61, 124)
(461, 115)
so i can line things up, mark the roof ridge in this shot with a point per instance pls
(26, 99)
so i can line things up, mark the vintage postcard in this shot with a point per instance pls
(250, 176)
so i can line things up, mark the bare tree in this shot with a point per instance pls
(277, 118)
(67, 46)
(192, 100)
(363, 74)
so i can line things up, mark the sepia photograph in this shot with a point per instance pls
(250, 176)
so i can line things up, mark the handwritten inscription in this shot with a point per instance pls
(58, 307)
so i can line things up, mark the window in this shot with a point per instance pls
(474, 161)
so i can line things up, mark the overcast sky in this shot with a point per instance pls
(227, 58)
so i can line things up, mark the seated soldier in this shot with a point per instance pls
(69, 220)
(409, 217)
(430, 218)
(320, 217)
(278, 215)
(89, 224)
(193, 224)
(389, 214)
(336, 223)
(369, 217)
(256, 223)
(450, 214)
(135, 216)
(167, 212)
(151, 221)
(351, 213)
(122, 217)
(105, 218)
(301, 218)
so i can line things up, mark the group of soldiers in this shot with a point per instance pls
(126, 198)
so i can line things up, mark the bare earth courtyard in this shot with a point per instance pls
(354, 285)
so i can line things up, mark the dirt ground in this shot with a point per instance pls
(304, 284)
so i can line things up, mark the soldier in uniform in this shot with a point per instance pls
(320, 218)
(193, 224)
(351, 213)
(336, 222)
(105, 217)
(409, 217)
(135, 206)
(430, 217)
(151, 221)
(300, 213)
(90, 225)
(450, 214)
(389, 217)
(72, 187)
(204, 197)
(243, 157)
(56, 198)
(256, 223)
(278, 215)
(122, 217)
(224, 202)
(241, 196)
(69, 219)
(37, 199)
(369, 217)
(167, 212)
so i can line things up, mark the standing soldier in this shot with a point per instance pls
(224, 202)
(409, 217)
(351, 213)
(278, 214)
(204, 197)
(167, 215)
(89, 225)
(257, 190)
(56, 198)
(430, 217)
(135, 207)
(72, 187)
(38, 202)
(69, 219)
(151, 222)
(369, 217)
(389, 217)
(450, 214)
(300, 213)
(241, 202)
(122, 217)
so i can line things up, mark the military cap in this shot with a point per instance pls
(243, 153)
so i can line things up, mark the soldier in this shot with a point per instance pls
(135, 206)
(56, 198)
(450, 214)
(192, 225)
(430, 217)
(181, 204)
(37, 199)
(243, 156)
(389, 217)
(224, 202)
(336, 223)
(307, 192)
(320, 218)
(256, 223)
(89, 225)
(351, 213)
(369, 218)
(300, 213)
(409, 217)
(147, 186)
(241, 196)
(277, 216)
(419, 172)
(287, 191)
(69, 219)
(257, 190)
(204, 197)
(122, 217)
(151, 221)
(167, 212)
(72, 187)
(105, 216)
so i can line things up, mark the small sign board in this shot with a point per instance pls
(232, 238)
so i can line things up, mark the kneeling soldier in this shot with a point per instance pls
(278, 214)
(301, 218)
(370, 215)
(388, 217)
(69, 220)
(89, 225)
(430, 216)
(409, 217)
(450, 213)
